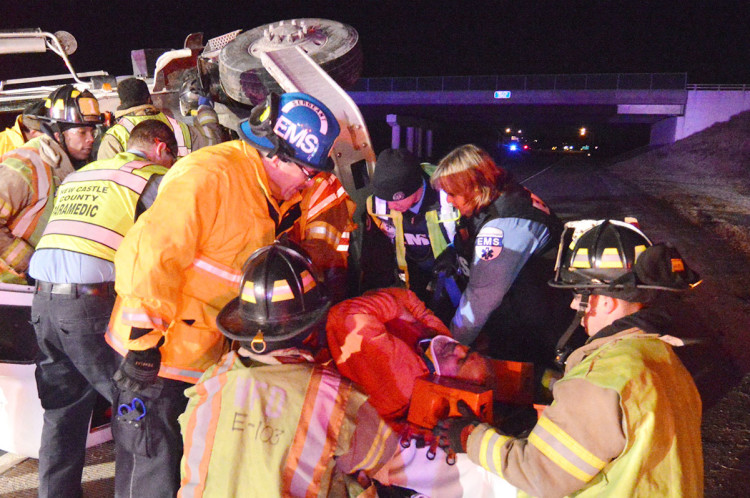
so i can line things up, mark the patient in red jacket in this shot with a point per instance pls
(381, 341)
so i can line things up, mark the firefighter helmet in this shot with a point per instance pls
(72, 107)
(613, 257)
(281, 298)
(294, 126)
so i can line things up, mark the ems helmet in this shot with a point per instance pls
(70, 106)
(615, 258)
(294, 126)
(281, 297)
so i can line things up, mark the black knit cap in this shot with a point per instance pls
(397, 175)
(133, 92)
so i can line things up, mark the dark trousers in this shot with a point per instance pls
(148, 454)
(74, 363)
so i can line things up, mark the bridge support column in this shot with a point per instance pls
(410, 138)
(419, 134)
(395, 136)
(663, 132)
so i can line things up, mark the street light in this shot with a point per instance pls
(582, 132)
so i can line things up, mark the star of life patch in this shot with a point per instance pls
(388, 229)
(489, 243)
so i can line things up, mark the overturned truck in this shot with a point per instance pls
(236, 70)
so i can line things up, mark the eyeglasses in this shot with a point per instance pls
(308, 172)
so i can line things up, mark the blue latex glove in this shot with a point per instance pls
(205, 101)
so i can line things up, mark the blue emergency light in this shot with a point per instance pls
(502, 94)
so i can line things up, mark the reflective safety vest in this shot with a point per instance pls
(318, 202)
(95, 206)
(126, 124)
(267, 430)
(441, 227)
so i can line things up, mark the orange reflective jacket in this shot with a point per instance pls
(181, 262)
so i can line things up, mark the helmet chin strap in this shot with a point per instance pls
(562, 350)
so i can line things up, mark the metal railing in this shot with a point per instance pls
(607, 81)
(719, 87)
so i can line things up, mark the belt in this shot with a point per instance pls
(100, 289)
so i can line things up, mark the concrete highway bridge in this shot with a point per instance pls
(415, 107)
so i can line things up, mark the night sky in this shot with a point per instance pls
(708, 40)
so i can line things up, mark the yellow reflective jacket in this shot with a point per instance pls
(29, 176)
(657, 414)
(182, 260)
(121, 131)
(11, 138)
(277, 430)
(95, 206)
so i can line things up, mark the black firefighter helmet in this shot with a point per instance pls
(281, 297)
(69, 107)
(615, 258)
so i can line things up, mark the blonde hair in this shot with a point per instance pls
(469, 171)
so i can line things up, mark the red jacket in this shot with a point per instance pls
(373, 341)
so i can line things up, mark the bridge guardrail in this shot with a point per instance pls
(719, 87)
(606, 81)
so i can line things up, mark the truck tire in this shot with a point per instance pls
(333, 45)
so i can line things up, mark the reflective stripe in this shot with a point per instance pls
(141, 319)
(182, 374)
(5, 209)
(124, 178)
(182, 149)
(610, 258)
(201, 431)
(581, 258)
(564, 451)
(322, 231)
(317, 433)
(322, 205)
(127, 124)
(85, 230)
(115, 341)
(308, 281)
(19, 249)
(133, 165)
(344, 242)
(323, 185)
(281, 291)
(43, 191)
(377, 449)
(229, 274)
(489, 450)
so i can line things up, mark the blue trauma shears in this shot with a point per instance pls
(136, 410)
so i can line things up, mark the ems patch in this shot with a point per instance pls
(489, 243)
